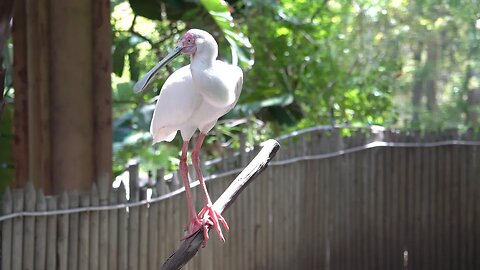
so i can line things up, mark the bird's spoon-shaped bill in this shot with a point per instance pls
(145, 80)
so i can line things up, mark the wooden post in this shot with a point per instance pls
(20, 83)
(101, 88)
(71, 101)
(39, 94)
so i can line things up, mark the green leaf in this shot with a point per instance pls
(119, 53)
(242, 50)
(152, 9)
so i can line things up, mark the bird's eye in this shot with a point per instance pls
(189, 40)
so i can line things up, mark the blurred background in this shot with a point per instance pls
(375, 103)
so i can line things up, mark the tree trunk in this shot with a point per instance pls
(473, 105)
(431, 66)
(417, 85)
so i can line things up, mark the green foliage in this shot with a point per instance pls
(316, 62)
(6, 149)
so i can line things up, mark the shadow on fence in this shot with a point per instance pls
(378, 199)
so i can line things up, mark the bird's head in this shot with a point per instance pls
(194, 42)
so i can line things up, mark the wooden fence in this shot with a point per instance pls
(374, 200)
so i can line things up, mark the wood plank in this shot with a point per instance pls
(463, 206)
(143, 227)
(448, 251)
(51, 256)
(40, 233)
(17, 240)
(476, 225)
(38, 69)
(74, 201)
(63, 232)
(104, 187)
(113, 228)
(122, 230)
(29, 228)
(367, 209)
(133, 226)
(471, 185)
(455, 208)
(161, 237)
(83, 234)
(94, 230)
(7, 230)
(380, 208)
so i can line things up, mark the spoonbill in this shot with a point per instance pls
(192, 98)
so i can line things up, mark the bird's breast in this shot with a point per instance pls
(216, 85)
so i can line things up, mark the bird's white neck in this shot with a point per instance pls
(208, 79)
(204, 59)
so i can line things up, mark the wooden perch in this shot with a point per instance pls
(190, 246)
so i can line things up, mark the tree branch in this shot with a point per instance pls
(190, 246)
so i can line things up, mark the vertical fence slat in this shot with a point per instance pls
(17, 241)
(143, 227)
(161, 229)
(113, 225)
(51, 256)
(83, 234)
(122, 230)
(7, 207)
(40, 234)
(133, 219)
(104, 186)
(153, 253)
(94, 240)
(29, 228)
(63, 232)
(74, 200)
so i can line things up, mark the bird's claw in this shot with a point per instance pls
(210, 217)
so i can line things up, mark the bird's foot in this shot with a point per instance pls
(210, 217)
(194, 226)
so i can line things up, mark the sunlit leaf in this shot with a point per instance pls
(242, 50)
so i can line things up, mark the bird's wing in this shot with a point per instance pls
(177, 101)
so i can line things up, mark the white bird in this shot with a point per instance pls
(192, 98)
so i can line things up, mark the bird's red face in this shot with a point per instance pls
(188, 43)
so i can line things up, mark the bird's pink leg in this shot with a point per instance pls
(194, 224)
(207, 212)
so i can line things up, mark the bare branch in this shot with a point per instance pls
(190, 246)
